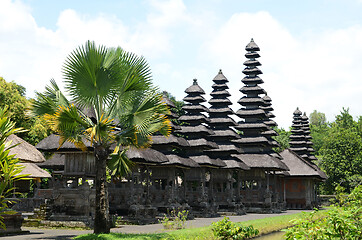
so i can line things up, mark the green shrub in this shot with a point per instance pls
(176, 219)
(225, 229)
(343, 220)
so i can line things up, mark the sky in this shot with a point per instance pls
(311, 50)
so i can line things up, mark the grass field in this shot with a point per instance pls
(266, 225)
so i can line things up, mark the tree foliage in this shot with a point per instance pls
(9, 170)
(282, 139)
(13, 97)
(341, 152)
(112, 103)
(342, 221)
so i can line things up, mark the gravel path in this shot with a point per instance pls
(60, 234)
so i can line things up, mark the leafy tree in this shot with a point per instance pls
(282, 139)
(12, 95)
(117, 86)
(9, 170)
(317, 118)
(341, 153)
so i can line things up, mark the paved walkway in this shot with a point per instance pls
(60, 234)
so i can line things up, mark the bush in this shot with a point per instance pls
(343, 220)
(225, 229)
(175, 220)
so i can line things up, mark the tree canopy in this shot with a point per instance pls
(112, 103)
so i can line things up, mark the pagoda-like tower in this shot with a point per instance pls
(221, 123)
(257, 147)
(197, 133)
(166, 179)
(297, 138)
(308, 138)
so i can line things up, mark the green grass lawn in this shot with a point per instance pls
(266, 225)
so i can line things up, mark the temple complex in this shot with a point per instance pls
(214, 161)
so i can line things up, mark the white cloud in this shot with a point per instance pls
(318, 70)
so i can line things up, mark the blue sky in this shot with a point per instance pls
(311, 51)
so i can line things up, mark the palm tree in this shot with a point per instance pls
(116, 86)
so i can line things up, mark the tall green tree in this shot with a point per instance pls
(317, 118)
(13, 97)
(117, 86)
(341, 153)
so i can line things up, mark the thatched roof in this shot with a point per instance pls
(250, 100)
(254, 89)
(224, 120)
(247, 140)
(229, 133)
(148, 156)
(194, 99)
(263, 161)
(243, 113)
(252, 71)
(33, 171)
(232, 164)
(249, 79)
(220, 86)
(250, 63)
(220, 93)
(204, 160)
(220, 101)
(255, 125)
(201, 142)
(194, 88)
(200, 108)
(224, 110)
(220, 77)
(24, 150)
(170, 140)
(252, 46)
(300, 167)
(175, 160)
(195, 129)
(190, 118)
(51, 144)
(55, 161)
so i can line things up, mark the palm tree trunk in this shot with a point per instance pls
(101, 220)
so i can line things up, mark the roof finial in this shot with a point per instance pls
(195, 81)
(220, 72)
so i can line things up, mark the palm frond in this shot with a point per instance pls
(91, 75)
(49, 101)
(119, 164)
(70, 125)
(142, 115)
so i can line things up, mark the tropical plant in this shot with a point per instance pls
(115, 87)
(342, 221)
(225, 230)
(9, 170)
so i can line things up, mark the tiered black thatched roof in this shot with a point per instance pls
(297, 138)
(308, 138)
(195, 129)
(172, 146)
(221, 123)
(255, 113)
